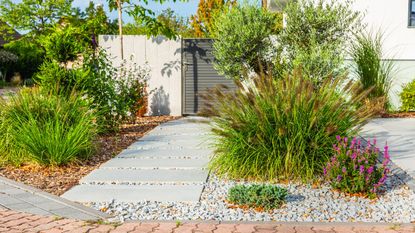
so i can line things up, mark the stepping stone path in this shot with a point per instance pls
(167, 164)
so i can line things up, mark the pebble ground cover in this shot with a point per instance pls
(304, 203)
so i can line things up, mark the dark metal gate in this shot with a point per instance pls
(198, 73)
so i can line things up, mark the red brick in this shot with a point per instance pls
(205, 227)
(303, 229)
(102, 229)
(323, 229)
(225, 228)
(284, 228)
(125, 227)
(245, 228)
(185, 228)
(165, 228)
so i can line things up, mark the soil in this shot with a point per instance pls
(399, 115)
(57, 180)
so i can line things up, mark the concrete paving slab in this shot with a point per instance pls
(156, 163)
(172, 145)
(399, 134)
(132, 193)
(146, 175)
(163, 153)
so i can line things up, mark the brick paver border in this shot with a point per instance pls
(11, 221)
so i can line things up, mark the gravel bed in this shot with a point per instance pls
(304, 204)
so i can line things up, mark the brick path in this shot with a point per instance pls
(11, 221)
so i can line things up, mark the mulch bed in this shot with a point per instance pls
(59, 179)
(399, 115)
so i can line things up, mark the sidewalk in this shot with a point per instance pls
(19, 197)
(11, 221)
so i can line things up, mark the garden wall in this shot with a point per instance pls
(164, 60)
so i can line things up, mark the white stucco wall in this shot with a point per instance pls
(164, 60)
(391, 18)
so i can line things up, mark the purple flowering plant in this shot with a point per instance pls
(355, 169)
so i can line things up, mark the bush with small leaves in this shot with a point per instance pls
(262, 196)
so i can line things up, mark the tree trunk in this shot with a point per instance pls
(264, 4)
(119, 6)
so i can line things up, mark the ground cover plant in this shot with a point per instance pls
(46, 129)
(263, 196)
(354, 167)
(408, 97)
(282, 128)
(370, 69)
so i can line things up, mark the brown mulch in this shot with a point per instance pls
(59, 179)
(399, 115)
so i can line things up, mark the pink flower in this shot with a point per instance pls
(344, 170)
(338, 138)
(370, 170)
(361, 169)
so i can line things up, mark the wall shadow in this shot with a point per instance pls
(160, 102)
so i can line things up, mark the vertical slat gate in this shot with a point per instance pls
(199, 75)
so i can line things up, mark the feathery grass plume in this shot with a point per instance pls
(282, 128)
(370, 69)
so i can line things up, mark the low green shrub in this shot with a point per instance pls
(262, 196)
(47, 129)
(282, 128)
(354, 168)
(408, 97)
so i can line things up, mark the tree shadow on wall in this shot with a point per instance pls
(160, 103)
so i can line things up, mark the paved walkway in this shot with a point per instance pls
(18, 222)
(399, 133)
(167, 164)
(19, 197)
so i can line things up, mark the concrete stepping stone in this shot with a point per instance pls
(145, 175)
(163, 153)
(157, 163)
(135, 193)
(167, 164)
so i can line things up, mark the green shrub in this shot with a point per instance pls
(282, 128)
(63, 44)
(30, 56)
(408, 97)
(243, 40)
(371, 71)
(115, 92)
(263, 196)
(7, 60)
(354, 168)
(315, 36)
(46, 129)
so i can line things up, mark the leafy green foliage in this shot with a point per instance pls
(115, 92)
(30, 57)
(282, 127)
(264, 196)
(243, 40)
(408, 97)
(33, 15)
(354, 168)
(63, 44)
(372, 72)
(7, 59)
(315, 36)
(46, 129)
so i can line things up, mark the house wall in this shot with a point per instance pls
(164, 60)
(391, 18)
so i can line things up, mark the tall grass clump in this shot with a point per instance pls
(282, 128)
(373, 72)
(46, 129)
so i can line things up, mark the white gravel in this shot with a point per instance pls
(304, 204)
